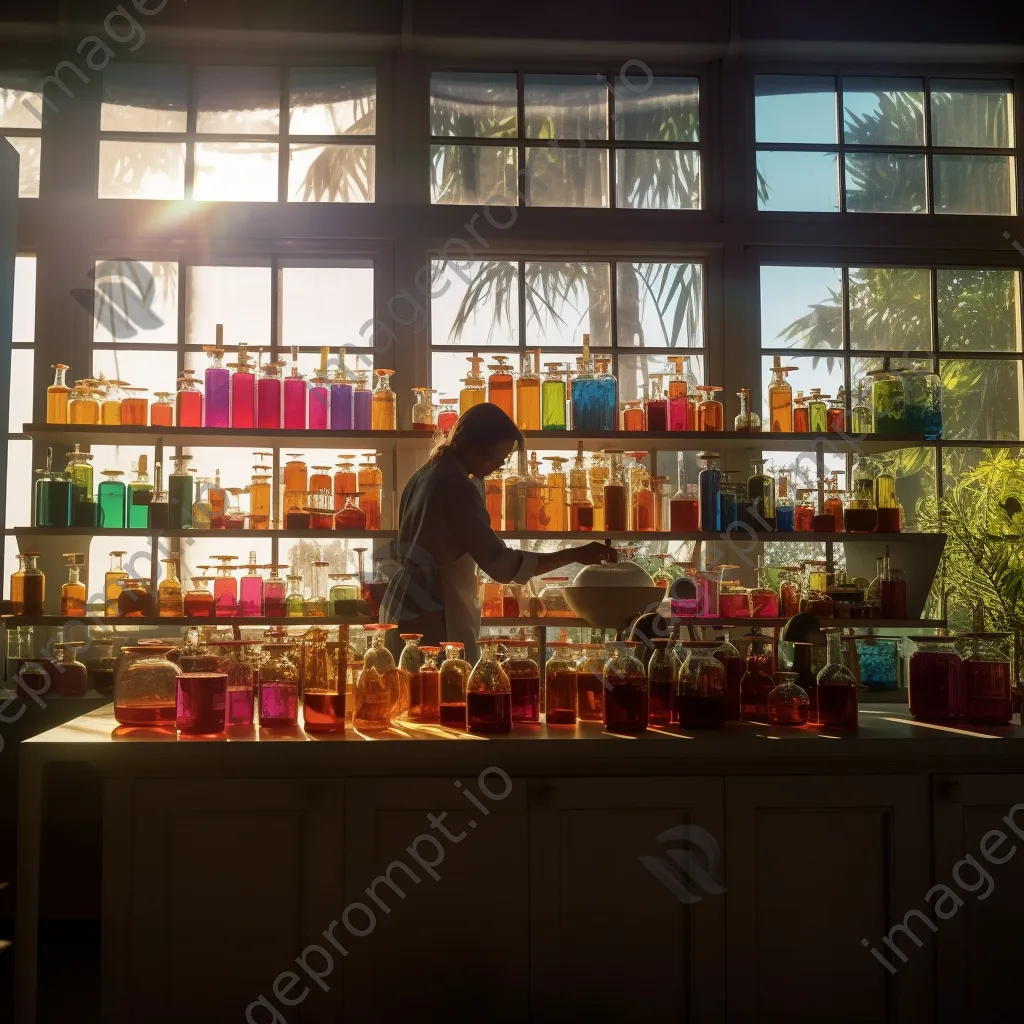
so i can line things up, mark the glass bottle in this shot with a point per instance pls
(53, 496)
(888, 405)
(112, 582)
(581, 508)
(553, 397)
(733, 597)
(488, 693)
(860, 414)
(835, 415)
(370, 486)
(315, 606)
(801, 415)
(761, 495)
(453, 678)
(110, 406)
(321, 499)
(268, 397)
(517, 486)
(384, 415)
(112, 500)
(860, 515)
(780, 398)
(732, 665)
(57, 395)
(814, 598)
(422, 412)
(684, 505)
(159, 506)
(225, 587)
(323, 687)
(683, 593)
(607, 389)
(590, 683)
(341, 396)
(145, 686)
(757, 681)
(747, 421)
(528, 397)
(701, 687)
(274, 593)
(650, 415)
(501, 386)
(803, 511)
(474, 390)
(784, 508)
(199, 600)
(935, 685)
(661, 678)
(493, 493)
(633, 418)
(295, 396)
(833, 506)
(243, 391)
(560, 684)
(817, 411)
(181, 493)
(524, 682)
(83, 404)
(102, 667)
(410, 662)
(259, 495)
(626, 699)
(278, 687)
(710, 412)
(597, 474)
(585, 395)
(350, 517)
(837, 687)
(710, 487)
(892, 590)
(615, 504)
(135, 600)
(294, 602)
(557, 495)
(922, 396)
(789, 591)
(764, 601)
(986, 679)
(362, 403)
(642, 514)
(161, 412)
(188, 401)
(296, 488)
(371, 697)
(788, 703)
(537, 518)
(18, 586)
(170, 602)
(200, 705)
(84, 511)
(678, 399)
(886, 503)
(250, 591)
(448, 415)
(72, 594)
(343, 598)
(218, 385)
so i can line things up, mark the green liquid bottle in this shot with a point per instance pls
(294, 605)
(180, 494)
(888, 406)
(817, 411)
(140, 496)
(552, 398)
(112, 500)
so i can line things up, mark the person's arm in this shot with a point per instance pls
(587, 554)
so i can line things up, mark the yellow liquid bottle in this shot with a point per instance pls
(83, 404)
(537, 518)
(557, 494)
(598, 479)
(383, 406)
(57, 395)
(780, 399)
(370, 484)
(528, 393)
(169, 600)
(112, 582)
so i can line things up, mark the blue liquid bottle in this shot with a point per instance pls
(710, 486)
(784, 510)
(587, 394)
(607, 395)
(341, 398)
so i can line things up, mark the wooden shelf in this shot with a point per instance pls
(556, 623)
(89, 531)
(99, 620)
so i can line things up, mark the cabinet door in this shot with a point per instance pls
(620, 929)
(981, 942)
(212, 889)
(815, 866)
(451, 947)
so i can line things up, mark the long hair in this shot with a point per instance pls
(480, 425)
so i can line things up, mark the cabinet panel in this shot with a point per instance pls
(814, 866)
(222, 896)
(980, 943)
(608, 937)
(454, 947)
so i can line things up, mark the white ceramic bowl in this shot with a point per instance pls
(613, 607)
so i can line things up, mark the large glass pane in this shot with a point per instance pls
(333, 305)
(795, 108)
(883, 111)
(566, 106)
(801, 307)
(19, 496)
(21, 99)
(237, 297)
(155, 371)
(473, 105)
(474, 175)
(133, 300)
(448, 369)
(567, 176)
(239, 101)
(474, 302)
(331, 174)
(978, 310)
(972, 113)
(141, 170)
(29, 154)
(824, 371)
(958, 462)
(20, 408)
(798, 181)
(981, 398)
(24, 327)
(657, 109)
(973, 184)
(635, 372)
(144, 98)
(885, 183)
(890, 308)
(657, 179)
(660, 305)
(564, 301)
(914, 469)
(240, 172)
(333, 101)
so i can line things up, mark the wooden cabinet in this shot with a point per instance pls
(813, 866)
(454, 947)
(980, 943)
(212, 888)
(608, 938)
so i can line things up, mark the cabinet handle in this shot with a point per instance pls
(948, 790)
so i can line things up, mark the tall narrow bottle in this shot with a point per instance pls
(268, 397)
(202, 510)
(710, 487)
(581, 508)
(598, 477)
(243, 391)
(501, 386)
(556, 494)
(616, 504)
(295, 396)
(180, 494)
(678, 399)
(362, 404)
(112, 582)
(159, 510)
(53, 496)
(817, 411)
(553, 398)
(188, 401)
(112, 502)
(225, 588)
(474, 390)
(218, 498)
(860, 414)
(218, 385)
(170, 601)
(341, 397)
(319, 396)
(274, 592)
(780, 398)
(72, 594)
(584, 398)
(528, 398)
(370, 484)
(250, 594)
(888, 403)
(259, 495)
(384, 406)
(57, 395)
(607, 388)
(761, 495)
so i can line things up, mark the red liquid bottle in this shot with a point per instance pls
(243, 392)
(836, 690)
(626, 698)
(661, 677)
(935, 688)
(684, 515)
(189, 401)
(757, 681)
(560, 685)
(524, 681)
(732, 663)
(987, 681)
(429, 687)
(295, 396)
(614, 507)
(268, 398)
(590, 683)
(278, 688)
(200, 706)
(488, 694)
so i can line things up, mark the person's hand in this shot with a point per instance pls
(595, 553)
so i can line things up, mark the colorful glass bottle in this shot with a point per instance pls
(501, 386)
(135, 407)
(268, 397)
(250, 590)
(528, 398)
(84, 404)
(370, 484)
(581, 508)
(817, 412)
(170, 601)
(319, 396)
(362, 403)
(887, 503)
(202, 511)
(189, 401)
(274, 594)
(585, 397)
(761, 496)
(657, 406)
(295, 396)
(111, 497)
(488, 694)
(835, 416)
(218, 385)
(57, 395)
(888, 405)
(110, 406)
(537, 518)
(72, 594)
(633, 417)
(112, 582)
(780, 398)
(243, 391)
(860, 414)
(341, 396)
(448, 414)
(678, 397)
(385, 405)
(474, 387)
(422, 413)
(747, 421)
(597, 474)
(557, 494)
(161, 412)
(553, 397)
(180, 493)
(837, 688)
(710, 412)
(922, 396)
(710, 487)
(801, 417)
(607, 389)
(784, 508)
(316, 605)
(684, 505)
(53, 496)
(615, 505)
(626, 699)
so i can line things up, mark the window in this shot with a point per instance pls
(20, 411)
(565, 140)
(238, 134)
(884, 145)
(21, 119)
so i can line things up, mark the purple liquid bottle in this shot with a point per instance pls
(320, 397)
(218, 385)
(295, 397)
(243, 392)
(362, 399)
(341, 398)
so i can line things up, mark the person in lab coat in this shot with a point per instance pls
(444, 534)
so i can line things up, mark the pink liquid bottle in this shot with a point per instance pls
(218, 385)
(243, 392)
(268, 398)
(320, 396)
(274, 593)
(341, 397)
(362, 401)
(189, 401)
(250, 602)
(279, 687)
(295, 396)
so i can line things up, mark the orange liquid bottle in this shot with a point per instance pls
(501, 386)
(370, 484)
(780, 399)
(57, 395)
